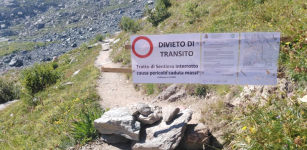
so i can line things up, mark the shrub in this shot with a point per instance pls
(191, 11)
(54, 65)
(129, 25)
(99, 37)
(149, 88)
(38, 77)
(196, 89)
(8, 91)
(160, 12)
(84, 129)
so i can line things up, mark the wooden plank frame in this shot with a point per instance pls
(116, 70)
(129, 70)
(282, 39)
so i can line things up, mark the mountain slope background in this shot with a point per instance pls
(37, 31)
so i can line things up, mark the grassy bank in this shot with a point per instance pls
(50, 123)
(10, 47)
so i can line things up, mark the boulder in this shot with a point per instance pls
(195, 137)
(113, 138)
(20, 13)
(143, 108)
(3, 26)
(7, 60)
(54, 59)
(10, 3)
(73, 45)
(133, 110)
(150, 2)
(176, 96)
(40, 25)
(151, 118)
(83, 17)
(118, 121)
(15, 62)
(167, 93)
(162, 135)
(105, 46)
(169, 113)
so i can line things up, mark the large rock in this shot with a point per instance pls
(196, 137)
(114, 138)
(10, 3)
(40, 25)
(118, 121)
(3, 26)
(169, 113)
(143, 108)
(162, 135)
(16, 62)
(176, 96)
(167, 93)
(151, 118)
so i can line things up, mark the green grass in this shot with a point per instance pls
(279, 124)
(10, 47)
(49, 124)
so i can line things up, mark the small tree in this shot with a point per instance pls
(129, 25)
(191, 11)
(160, 12)
(38, 77)
(8, 91)
(99, 37)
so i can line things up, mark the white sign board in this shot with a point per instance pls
(209, 58)
(258, 58)
(219, 58)
(171, 58)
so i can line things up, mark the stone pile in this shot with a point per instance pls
(152, 127)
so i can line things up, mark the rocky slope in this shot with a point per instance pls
(65, 24)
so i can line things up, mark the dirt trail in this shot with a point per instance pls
(116, 91)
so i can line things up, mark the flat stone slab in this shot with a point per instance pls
(119, 121)
(162, 135)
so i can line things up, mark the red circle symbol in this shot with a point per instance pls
(149, 42)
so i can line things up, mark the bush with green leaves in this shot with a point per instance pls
(84, 129)
(129, 25)
(38, 77)
(191, 11)
(159, 13)
(199, 90)
(8, 91)
(99, 37)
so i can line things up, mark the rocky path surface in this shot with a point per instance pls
(116, 91)
(4, 105)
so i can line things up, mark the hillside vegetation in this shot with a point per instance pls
(56, 109)
(279, 122)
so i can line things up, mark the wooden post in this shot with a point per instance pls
(282, 39)
(116, 70)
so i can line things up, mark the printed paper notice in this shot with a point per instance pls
(173, 58)
(219, 58)
(258, 58)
